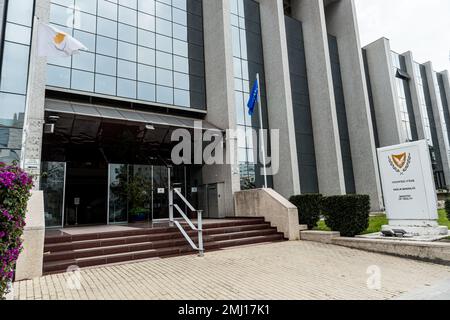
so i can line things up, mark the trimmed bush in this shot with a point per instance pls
(15, 186)
(308, 206)
(347, 214)
(447, 208)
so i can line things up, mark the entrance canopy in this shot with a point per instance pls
(86, 132)
(123, 115)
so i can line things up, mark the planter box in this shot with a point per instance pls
(319, 236)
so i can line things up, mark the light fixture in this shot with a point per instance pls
(149, 126)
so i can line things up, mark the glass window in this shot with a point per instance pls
(164, 77)
(133, 45)
(12, 109)
(21, 12)
(106, 65)
(146, 73)
(146, 91)
(82, 80)
(107, 9)
(126, 88)
(83, 61)
(106, 46)
(107, 28)
(15, 68)
(16, 33)
(58, 76)
(105, 84)
(126, 69)
(164, 95)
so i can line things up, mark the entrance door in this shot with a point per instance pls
(86, 193)
(160, 193)
(53, 177)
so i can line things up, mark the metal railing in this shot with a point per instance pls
(199, 228)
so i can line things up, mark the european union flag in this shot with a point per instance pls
(253, 98)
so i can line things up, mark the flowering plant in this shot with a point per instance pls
(15, 187)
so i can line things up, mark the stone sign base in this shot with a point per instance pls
(417, 228)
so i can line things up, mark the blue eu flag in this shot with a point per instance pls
(253, 98)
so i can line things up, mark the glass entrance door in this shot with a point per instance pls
(53, 178)
(140, 193)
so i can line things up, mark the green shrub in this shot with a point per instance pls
(447, 208)
(347, 214)
(308, 206)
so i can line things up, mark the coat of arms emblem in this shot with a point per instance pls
(400, 162)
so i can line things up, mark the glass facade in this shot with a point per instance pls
(14, 76)
(144, 50)
(302, 109)
(408, 124)
(248, 61)
(341, 116)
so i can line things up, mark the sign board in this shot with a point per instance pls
(408, 182)
(161, 190)
(194, 190)
(32, 164)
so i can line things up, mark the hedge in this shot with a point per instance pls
(447, 208)
(15, 187)
(347, 214)
(308, 206)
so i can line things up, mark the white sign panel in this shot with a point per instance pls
(408, 182)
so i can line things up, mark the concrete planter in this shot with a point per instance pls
(10, 292)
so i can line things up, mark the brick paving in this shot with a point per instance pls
(287, 270)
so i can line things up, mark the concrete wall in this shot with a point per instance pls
(342, 23)
(439, 121)
(279, 95)
(384, 92)
(220, 94)
(34, 113)
(273, 207)
(323, 105)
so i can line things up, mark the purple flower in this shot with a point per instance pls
(7, 215)
(2, 234)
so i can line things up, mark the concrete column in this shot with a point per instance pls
(416, 104)
(2, 30)
(30, 262)
(446, 78)
(384, 91)
(34, 113)
(439, 121)
(342, 23)
(220, 95)
(279, 95)
(323, 105)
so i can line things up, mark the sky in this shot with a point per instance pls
(420, 26)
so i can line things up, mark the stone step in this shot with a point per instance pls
(62, 265)
(53, 239)
(162, 243)
(127, 240)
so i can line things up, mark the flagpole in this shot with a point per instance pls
(263, 145)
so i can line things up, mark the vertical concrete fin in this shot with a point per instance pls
(323, 106)
(342, 23)
(415, 96)
(384, 92)
(279, 95)
(439, 121)
(220, 94)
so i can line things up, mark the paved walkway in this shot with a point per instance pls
(288, 270)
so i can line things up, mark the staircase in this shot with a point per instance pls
(93, 249)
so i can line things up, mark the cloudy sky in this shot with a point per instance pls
(421, 26)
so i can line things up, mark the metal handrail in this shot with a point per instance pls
(199, 228)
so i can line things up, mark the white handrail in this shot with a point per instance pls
(199, 227)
